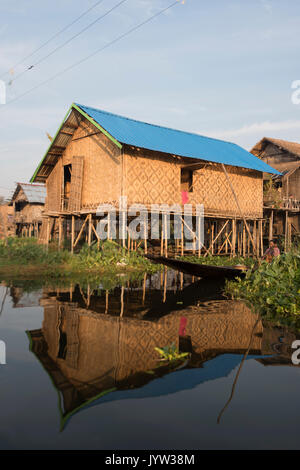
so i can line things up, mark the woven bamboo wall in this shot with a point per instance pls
(293, 185)
(6, 221)
(102, 165)
(211, 188)
(29, 212)
(54, 189)
(153, 178)
(106, 347)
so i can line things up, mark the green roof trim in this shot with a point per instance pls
(91, 120)
(41, 162)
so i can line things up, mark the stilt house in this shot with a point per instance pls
(28, 202)
(96, 157)
(281, 192)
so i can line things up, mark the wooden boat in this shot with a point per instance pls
(200, 270)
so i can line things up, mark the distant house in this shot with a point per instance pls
(96, 157)
(282, 192)
(28, 203)
(7, 225)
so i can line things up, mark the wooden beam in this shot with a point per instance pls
(238, 205)
(81, 230)
(211, 248)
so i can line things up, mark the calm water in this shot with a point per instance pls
(82, 371)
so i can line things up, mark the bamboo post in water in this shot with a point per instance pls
(238, 205)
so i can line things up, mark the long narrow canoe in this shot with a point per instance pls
(200, 270)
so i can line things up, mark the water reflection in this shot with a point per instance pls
(94, 341)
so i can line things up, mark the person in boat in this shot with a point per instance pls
(272, 252)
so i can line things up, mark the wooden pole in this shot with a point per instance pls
(162, 236)
(145, 233)
(59, 232)
(81, 230)
(182, 238)
(166, 236)
(90, 230)
(260, 224)
(238, 205)
(213, 240)
(73, 234)
(271, 226)
(233, 237)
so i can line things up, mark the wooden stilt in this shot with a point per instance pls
(59, 232)
(244, 240)
(182, 238)
(81, 230)
(166, 236)
(90, 230)
(233, 237)
(238, 205)
(122, 302)
(145, 233)
(271, 219)
(73, 234)
(162, 237)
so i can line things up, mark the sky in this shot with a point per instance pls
(220, 68)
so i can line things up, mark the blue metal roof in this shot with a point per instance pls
(184, 144)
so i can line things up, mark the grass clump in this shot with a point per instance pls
(273, 289)
(21, 256)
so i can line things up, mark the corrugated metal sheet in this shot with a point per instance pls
(184, 144)
(34, 193)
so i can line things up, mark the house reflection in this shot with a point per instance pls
(93, 343)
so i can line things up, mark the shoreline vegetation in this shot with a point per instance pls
(270, 289)
(24, 258)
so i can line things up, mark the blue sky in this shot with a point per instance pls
(218, 68)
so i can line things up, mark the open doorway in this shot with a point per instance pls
(67, 184)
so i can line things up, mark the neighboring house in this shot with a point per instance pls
(96, 157)
(28, 202)
(282, 192)
(7, 225)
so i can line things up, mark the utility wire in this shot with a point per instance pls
(127, 33)
(70, 39)
(53, 37)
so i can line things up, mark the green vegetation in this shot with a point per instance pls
(273, 289)
(24, 257)
(220, 260)
(171, 353)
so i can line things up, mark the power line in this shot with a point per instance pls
(70, 39)
(53, 37)
(127, 33)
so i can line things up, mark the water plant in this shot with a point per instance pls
(170, 353)
(273, 289)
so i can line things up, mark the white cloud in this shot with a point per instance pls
(262, 128)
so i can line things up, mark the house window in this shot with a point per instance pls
(186, 180)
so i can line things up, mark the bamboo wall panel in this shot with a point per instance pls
(54, 188)
(76, 183)
(151, 178)
(155, 179)
(102, 165)
(211, 188)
